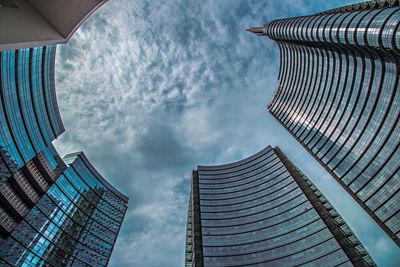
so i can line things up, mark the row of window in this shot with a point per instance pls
(235, 165)
(270, 200)
(264, 211)
(266, 221)
(28, 121)
(268, 181)
(71, 225)
(294, 254)
(375, 28)
(344, 105)
(249, 171)
(76, 222)
(256, 213)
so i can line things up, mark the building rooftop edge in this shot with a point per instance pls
(234, 163)
(73, 156)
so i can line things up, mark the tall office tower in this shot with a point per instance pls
(35, 23)
(262, 211)
(75, 223)
(29, 122)
(29, 115)
(338, 93)
(49, 214)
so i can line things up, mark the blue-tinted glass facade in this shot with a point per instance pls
(29, 116)
(29, 122)
(75, 223)
(50, 215)
(338, 93)
(262, 211)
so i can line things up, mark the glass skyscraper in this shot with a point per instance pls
(262, 211)
(50, 214)
(338, 94)
(53, 211)
(29, 116)
(75, 223)
(29, 123)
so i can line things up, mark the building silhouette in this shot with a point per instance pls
(263, 211)
(338, 94)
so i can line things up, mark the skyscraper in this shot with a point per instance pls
(29, 117)
(50, 214)
(338, 94)
(29, 123)
(36, 23)
(263, 211)
(21, 189)
(75, 223)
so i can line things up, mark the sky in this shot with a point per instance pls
(151, 89)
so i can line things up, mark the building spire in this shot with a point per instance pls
(257, 30)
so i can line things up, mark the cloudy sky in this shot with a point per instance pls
(151, 89)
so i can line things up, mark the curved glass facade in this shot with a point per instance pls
(338, 93)
(29, 116)
(29, 122)
(50, 214)
(75, 223)
(263, 211)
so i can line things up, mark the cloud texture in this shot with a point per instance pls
(151, 89)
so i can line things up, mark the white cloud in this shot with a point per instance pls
(151, 89)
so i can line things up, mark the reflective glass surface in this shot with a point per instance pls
(75, 223)
(339, 94)
(253, 212)
(29, 117)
